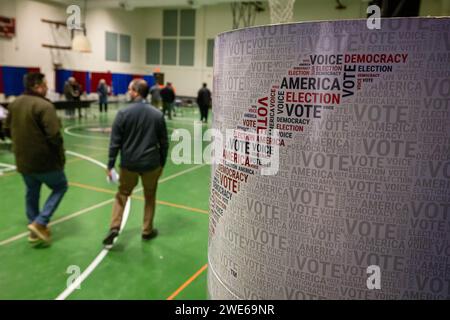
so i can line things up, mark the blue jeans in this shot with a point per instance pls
(56, 181)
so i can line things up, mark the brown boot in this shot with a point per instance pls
(41, 231)
(33, 238)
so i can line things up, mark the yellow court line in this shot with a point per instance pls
(164, 203)
(188, 282)
(57, 221)
(86, 210)
(90, 147)
(170, 204)
(8, 174)
(74, 160)
(89, 187)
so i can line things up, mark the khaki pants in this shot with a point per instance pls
(127, 181)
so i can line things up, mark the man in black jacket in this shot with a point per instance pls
(139, 132)
(204, 101)
(168, 98)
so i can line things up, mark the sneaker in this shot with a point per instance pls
(33, 238)
(151, 235)
(41, 231)
(108, 242)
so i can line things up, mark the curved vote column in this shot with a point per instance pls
(333, 180)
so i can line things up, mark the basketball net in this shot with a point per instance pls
(244, 13)
(281, 11)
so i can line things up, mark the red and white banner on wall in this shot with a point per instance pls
(7, 27)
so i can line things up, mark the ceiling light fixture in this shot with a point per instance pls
(80, 42)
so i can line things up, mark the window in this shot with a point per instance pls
(170, 23)
(153, 51)
(125, 48)
(169, 52)
(186, 52)
(177, 45)
(210, 53)
(187, 23)
(111, 46)
(118, 47)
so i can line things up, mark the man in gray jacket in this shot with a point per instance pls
(139, 133)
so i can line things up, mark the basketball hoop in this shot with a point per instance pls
(281, 11)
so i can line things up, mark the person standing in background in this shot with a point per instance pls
(38, 148)
(204, 102)
(72, 93)
(168, 99)
(3, 116)
(78, 90)
(139, 133)
(103, 91)
(155, 92)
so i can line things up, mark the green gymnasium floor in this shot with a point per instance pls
(171, 266)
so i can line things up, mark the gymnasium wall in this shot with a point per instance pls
(25, 49)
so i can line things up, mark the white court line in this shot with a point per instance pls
(83, 211)
(84, 275)
(69, 290)
(103, 252)
(181, 173)
(79, 155)
(184, 120)
(95, 262)
(67, 131)
(90, 147)
(57, 221)
(63, 219)
(9, 167)
(76, 214)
